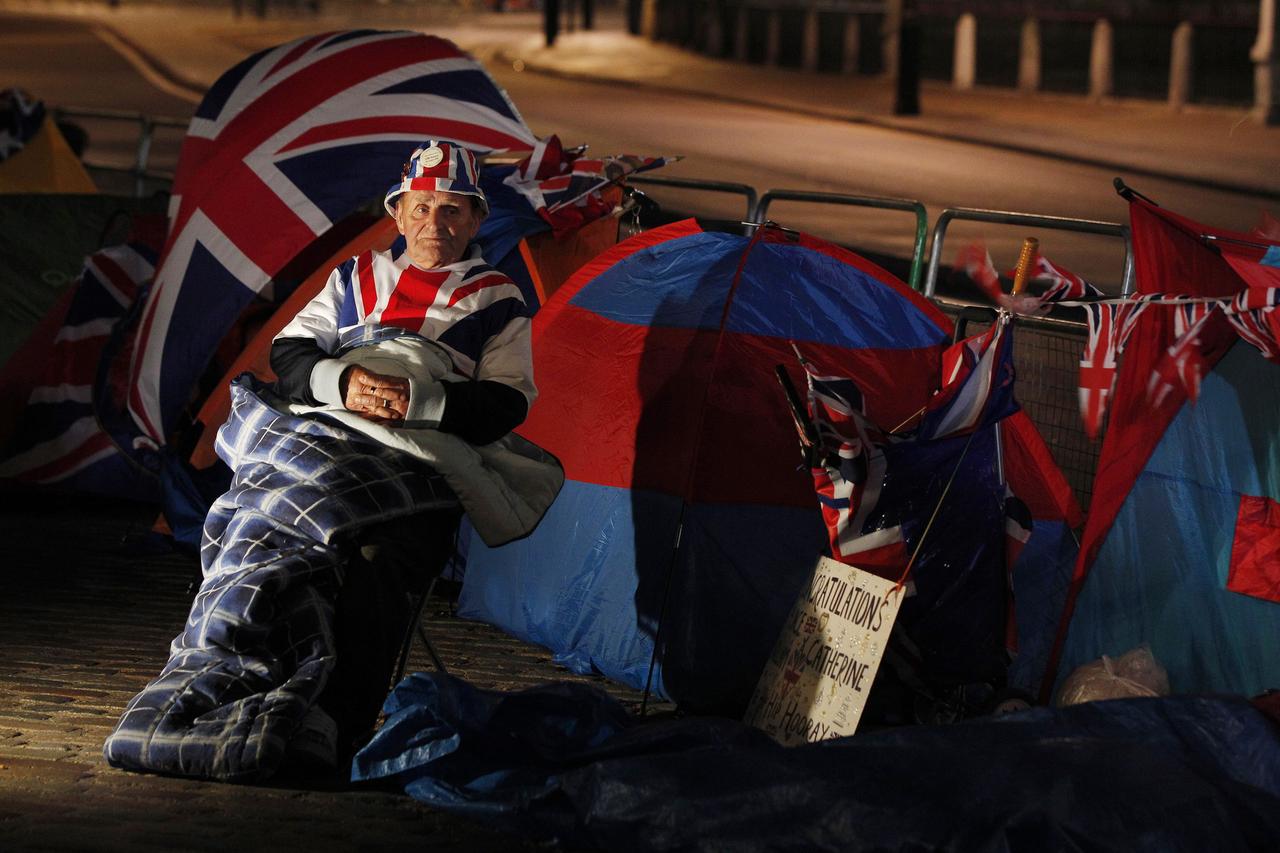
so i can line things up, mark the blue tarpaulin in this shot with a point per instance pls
(565, 761)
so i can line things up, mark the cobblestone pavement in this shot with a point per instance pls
(85, 622)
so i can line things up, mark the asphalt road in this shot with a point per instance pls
(71, 63)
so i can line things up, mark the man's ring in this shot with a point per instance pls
(386, 404)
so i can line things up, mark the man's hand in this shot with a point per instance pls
(375, 396)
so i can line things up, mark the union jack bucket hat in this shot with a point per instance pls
(440, 166)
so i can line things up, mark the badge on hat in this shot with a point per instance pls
(432, 157)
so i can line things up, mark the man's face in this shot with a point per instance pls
(437, 226)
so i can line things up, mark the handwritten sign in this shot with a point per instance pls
(815, 684)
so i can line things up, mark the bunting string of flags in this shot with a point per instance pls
(1110, 325)
(1110, 321)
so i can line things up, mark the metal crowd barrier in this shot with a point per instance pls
(1030, 220)
(1046, 355)
(140, 170)
(904, 204)
(749, 192)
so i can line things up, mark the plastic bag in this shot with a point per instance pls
(1134, 673)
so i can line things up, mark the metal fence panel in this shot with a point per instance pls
(1046, 358)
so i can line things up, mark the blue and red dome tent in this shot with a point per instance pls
(684, 504)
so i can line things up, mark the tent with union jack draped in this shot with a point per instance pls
(282, 147)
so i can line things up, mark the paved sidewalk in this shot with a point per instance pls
(85, 622)
(1211, 146)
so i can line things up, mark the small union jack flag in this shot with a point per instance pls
(849, 473)
(1183, 362)
(1059, 284)
(849, 478)
(283, 146)
(976, 262)
(1062, 284)
(977, 384)
(1254, 316)
(1110, 325)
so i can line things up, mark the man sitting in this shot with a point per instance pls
(397, 387)
(433, 289)
(437, 293)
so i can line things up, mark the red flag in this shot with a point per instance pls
(1167, 248)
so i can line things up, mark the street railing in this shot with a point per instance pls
(1029, 220)
(146, 125)
(876, 202)
(1047, 361)
(748, 192)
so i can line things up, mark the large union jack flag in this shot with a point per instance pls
(284, 145)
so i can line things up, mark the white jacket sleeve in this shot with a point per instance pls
(507, 357)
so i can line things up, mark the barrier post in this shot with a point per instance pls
(852, 43)
(1101, 61)
(1266, 65)
(964, 59)
(1029, 56)
(1180, 66)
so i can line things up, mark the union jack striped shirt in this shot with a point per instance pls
(473, 311)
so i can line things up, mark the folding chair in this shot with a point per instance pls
(417, 627)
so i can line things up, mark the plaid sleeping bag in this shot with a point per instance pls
(258, 645)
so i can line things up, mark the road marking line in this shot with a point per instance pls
(143, 65)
